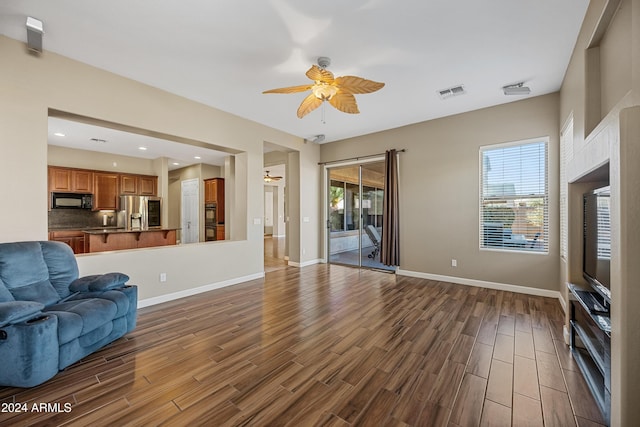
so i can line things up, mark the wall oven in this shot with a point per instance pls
(210, 221)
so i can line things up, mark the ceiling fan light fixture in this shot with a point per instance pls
(324, 91)
(339, 91)
(269, 178)
(516, 89)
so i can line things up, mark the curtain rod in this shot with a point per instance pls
(358, 158)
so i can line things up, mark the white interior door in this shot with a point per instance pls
(268, 210)
(190, 211)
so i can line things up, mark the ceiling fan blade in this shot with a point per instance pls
(344, 102)
(309, 104)
(290, 89)
(354, 84)
(316, 73)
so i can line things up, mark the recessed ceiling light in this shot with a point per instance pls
(142, 148)
(59, 134)
(197, 157)
(176, 164)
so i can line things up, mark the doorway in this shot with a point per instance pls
(354, 226)
(190, 211)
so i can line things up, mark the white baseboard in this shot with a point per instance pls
(193, 291)
(484, 284)
(304, 264)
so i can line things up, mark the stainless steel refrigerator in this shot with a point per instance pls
(140, 212)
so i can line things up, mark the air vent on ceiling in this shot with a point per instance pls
(98, 140)
(452, 91)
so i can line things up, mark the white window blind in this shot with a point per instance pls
(566, 153)
(514, 197)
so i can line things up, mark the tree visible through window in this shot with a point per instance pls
(514, 196)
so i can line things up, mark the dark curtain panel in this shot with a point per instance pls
(390, 253)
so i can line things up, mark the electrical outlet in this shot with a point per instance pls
(163, 277)
(454, 263)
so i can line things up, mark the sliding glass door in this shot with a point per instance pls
(354, 214)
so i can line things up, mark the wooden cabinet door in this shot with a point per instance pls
(210, 191)
(59, 179)
(128, 184)
(219, 232)
(105, 191)
(82, 181)
(148, 185)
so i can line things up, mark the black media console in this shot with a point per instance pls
(591, 324)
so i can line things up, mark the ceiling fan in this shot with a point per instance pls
(338, 91)
(269, 178)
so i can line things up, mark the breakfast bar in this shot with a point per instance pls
(109, 239)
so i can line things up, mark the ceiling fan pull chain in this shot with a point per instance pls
(323, 118)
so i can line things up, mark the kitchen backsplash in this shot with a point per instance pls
(79, 219)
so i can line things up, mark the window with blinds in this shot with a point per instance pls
(514, 212)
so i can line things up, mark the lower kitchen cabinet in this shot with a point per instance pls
(73, 238)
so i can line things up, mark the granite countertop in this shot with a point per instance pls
(108, 230)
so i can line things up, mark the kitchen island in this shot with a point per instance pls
(110, 239)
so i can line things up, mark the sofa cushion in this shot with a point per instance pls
(42, 292)
(25, 274)
(93, 313)
(5, 295)
(17, 311)
(62, 265)
(69, 325)
(99, 282)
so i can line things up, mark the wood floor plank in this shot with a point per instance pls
(327, 345)
(556, 408)
(527, 412)
(480, 360)
(468, 406)
(525, 377)
(500, 385)
(495, 415)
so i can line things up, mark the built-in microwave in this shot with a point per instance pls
(71, 201)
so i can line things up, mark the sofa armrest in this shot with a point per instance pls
(17, 311)
(99, 282)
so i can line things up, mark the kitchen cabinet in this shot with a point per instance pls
(70, 180)
(128, 184)
(138, 185)
(148, 185)
(219, 232)
(73, 238)
(106, 189)
(214, 193)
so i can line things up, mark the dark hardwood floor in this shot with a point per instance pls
(332, 346)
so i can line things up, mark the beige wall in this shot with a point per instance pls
(84, 159)
(610, 86)
(30, 85)
(439, 188)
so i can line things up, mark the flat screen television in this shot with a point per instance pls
(596, 263)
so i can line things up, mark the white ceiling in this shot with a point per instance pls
(82, 136)
(225, 53)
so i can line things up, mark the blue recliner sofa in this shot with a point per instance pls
(50, 318)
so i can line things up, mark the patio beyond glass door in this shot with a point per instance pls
(355, 212)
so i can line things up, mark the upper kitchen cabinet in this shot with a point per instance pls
(141, 185)
(106, 191)
(70, 180)
(214, 193)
